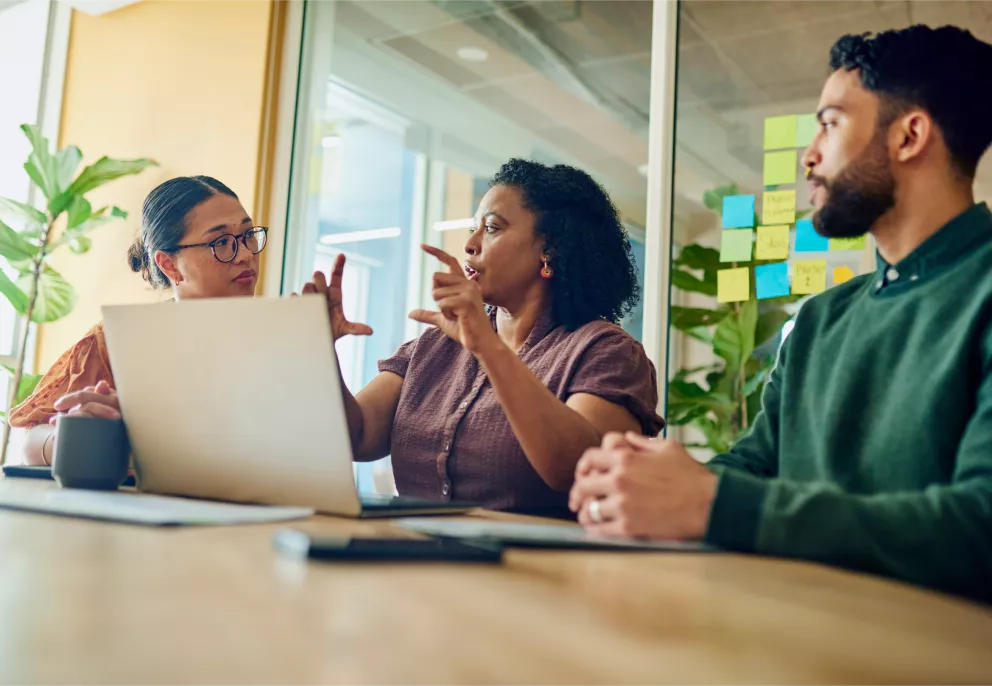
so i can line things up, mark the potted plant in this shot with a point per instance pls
(38, 293)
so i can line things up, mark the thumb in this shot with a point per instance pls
(426, 317)
(103, 387)
(640, 442)
(357, 329)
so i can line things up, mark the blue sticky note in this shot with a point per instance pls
(807, 239)
(738, 212)
(772, 280)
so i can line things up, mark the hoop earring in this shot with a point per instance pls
(547, 272)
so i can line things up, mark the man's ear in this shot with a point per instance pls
(167, 264)
(911, 134)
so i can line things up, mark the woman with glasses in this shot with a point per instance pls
(197, 240)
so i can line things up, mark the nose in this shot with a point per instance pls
(811, 155)
(244, 255)
(473, 245)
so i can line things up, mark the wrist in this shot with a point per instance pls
(708, 483)
(489, 349)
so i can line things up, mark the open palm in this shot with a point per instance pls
(340, 326)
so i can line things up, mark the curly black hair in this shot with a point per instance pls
(595, 276)
(946, 71)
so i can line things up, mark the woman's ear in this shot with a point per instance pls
(167, 264)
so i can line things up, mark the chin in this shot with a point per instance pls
(243, 289)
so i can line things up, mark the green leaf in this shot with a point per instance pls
(27, 385)
(688, 318)
(733, 339)
(41, 166)
(13, 247)
(769, 325)
(696, 256)
(17, 298)
(56, 296)
(80, 211)
(683, 374)
(701, 334)
(11, 210)
(713, 200)
(688, 282)
(66, 162)
(80, 244)
(757, 380)
(95, 175)
(718, 434)
(679, 390)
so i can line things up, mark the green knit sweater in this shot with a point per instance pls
(873, 450)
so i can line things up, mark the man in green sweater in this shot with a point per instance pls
(873, 450)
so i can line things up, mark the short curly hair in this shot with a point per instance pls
(595, 276)
(946, 71)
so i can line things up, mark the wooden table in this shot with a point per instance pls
(89, 602)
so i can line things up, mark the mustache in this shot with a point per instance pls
(818, 179)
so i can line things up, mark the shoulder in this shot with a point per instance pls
(600, 340)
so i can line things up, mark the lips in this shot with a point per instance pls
(470, 273)
(245, 276)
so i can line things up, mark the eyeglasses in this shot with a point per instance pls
(225, 247)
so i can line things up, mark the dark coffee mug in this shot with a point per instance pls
(90, 452)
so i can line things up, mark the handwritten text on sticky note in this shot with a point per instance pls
(733, 285)
(773, 243)
(778, 207)
(809, 276)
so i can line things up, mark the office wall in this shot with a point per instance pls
(180, 82)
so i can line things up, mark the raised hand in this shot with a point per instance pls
(461, 313)
(340, 326)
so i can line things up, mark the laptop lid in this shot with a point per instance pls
(235, 399)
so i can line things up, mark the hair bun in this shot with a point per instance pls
(137, 258)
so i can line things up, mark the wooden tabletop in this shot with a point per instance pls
(91, 602)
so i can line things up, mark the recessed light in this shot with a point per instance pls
(471, 53)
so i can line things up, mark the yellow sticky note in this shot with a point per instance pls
(842, 274)
(806, 128)
(780, 132)
(733, 285)
(809, 276)
(780, 167)
(778, 207)
(848, 243)
(773, 243)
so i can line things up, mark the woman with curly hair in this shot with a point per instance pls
(525, 366)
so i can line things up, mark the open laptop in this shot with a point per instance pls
(239, 399)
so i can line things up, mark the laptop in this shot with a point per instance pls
(239, 399)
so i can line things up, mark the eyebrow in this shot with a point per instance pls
(823, 111)
(221, 227)
(497, 215)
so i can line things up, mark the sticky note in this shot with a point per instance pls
(848, 243)
(778, 207)
(806, 128)
(738, 211)
(733, 285)
(780, 167)
(773, 243)
(809, 276)
(807, 239)
(735, 245)
(772, 280)
(780, 132)
(842, 274)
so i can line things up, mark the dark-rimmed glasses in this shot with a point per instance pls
(225, 247)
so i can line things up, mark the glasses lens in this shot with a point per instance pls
(255, 240)
(225, 248)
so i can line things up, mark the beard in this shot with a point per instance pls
(858, 196)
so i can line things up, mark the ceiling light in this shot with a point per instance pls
(355, 236)
(472, 53)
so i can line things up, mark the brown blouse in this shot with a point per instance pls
(451, 438)
(85, 364)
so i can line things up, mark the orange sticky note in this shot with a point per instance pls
(809, 276)
(778, 207)
(842, 274)
(773, 243)
(733, 285)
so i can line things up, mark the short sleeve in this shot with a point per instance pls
(615, 367)
(85, 364)
(400, 361)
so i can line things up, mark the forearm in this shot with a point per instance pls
(940, 537)
(553, 436)
(39, 446)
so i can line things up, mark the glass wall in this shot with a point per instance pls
(407, 108)
(744, 255)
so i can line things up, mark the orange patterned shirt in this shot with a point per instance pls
(85, 364)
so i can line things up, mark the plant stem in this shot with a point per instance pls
(23, 343)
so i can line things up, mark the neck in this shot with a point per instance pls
(921, 210)
(514, 324)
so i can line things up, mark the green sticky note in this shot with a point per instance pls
(735, 245)
(806, 128)
(780, 167)
(780, 132)
(848, 243)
